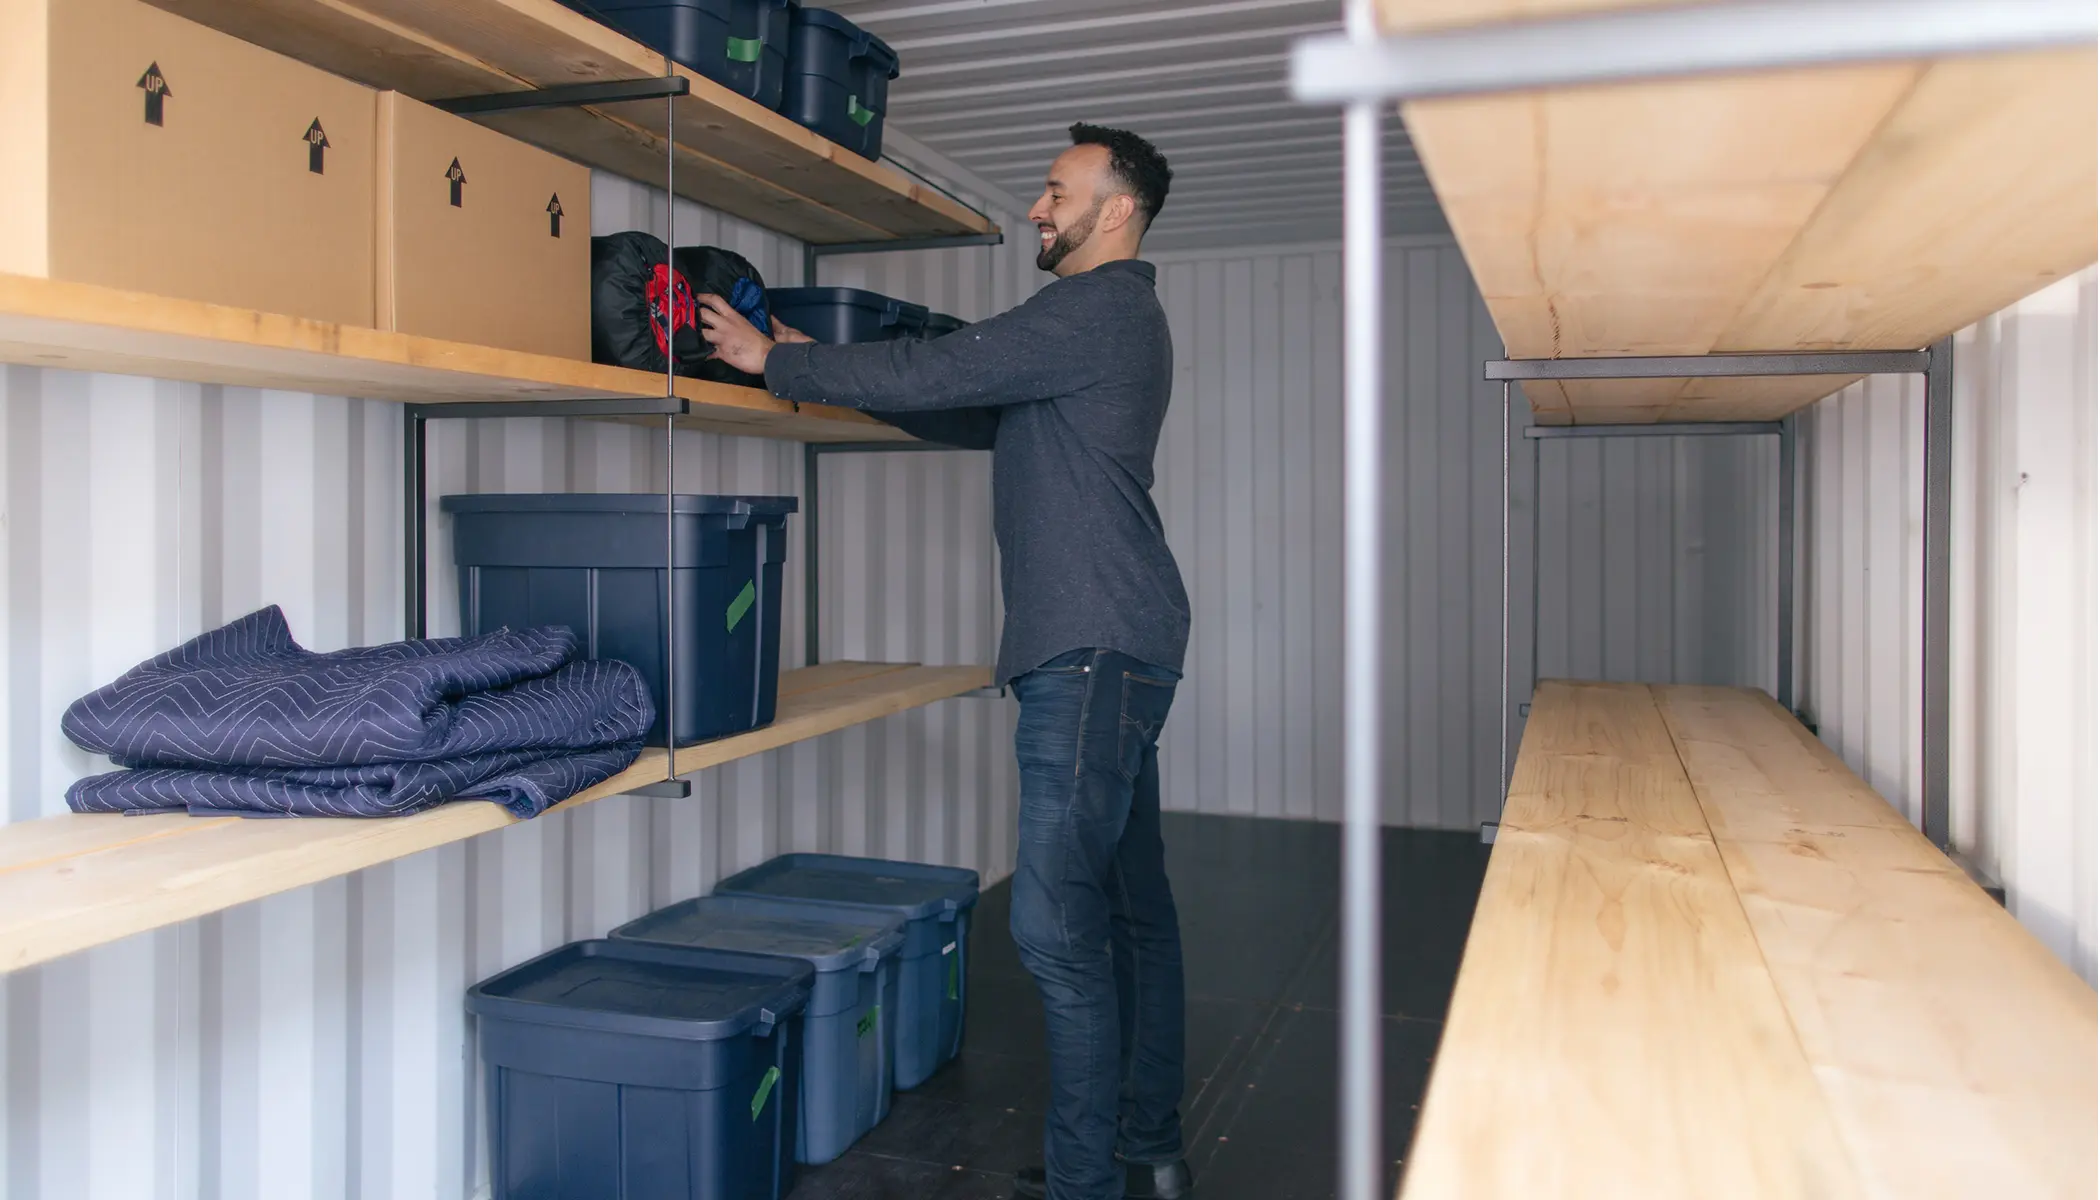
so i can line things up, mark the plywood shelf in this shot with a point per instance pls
(79, 880)
(1872, 207)
(1709, 961)
(733, 155)
(81, 327)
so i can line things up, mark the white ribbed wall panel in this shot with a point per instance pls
(1656, 556)
(314, 1043)
(2024, 787)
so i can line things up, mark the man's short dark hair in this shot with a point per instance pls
(1136, 163)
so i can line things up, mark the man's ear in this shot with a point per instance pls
(1120, 210)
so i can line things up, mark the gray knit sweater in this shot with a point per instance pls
(1069, 392)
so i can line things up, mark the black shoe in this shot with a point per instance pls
(1141, 1181)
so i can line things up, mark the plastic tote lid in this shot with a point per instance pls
(618, 502)
(915, 890)
(866, 45)
(647, 988)
(828, 939)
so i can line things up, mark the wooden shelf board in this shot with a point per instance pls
(1871, 207)
(733, 154)
(1958, 1053)
(79, 880)
(1612, 1003)
(1709, 960)
(82, 327)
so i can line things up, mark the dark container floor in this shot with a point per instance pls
(1260, 922)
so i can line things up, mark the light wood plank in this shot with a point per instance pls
(1614, 1031)
(75, 881)
(1978, 190)
(733, 154)
(1958, 1054)
(82, 327)
(1866, 207)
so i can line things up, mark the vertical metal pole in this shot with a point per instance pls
(1939, 588)
(809, 265)
(1786, 564)
(1363, 1157)
(670, 598)
(670, 433)
(1537, 505)
(414, 554)
(1502, 783)
(811, 460)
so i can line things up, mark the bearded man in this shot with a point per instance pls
(1069, 392)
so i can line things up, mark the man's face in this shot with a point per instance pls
(1071, 204)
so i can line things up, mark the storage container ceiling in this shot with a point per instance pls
(993, 84)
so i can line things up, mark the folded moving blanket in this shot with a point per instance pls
(245, 720)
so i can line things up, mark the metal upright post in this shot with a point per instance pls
(812, 459)
(1531, 688)
(414, 499)
(1785, 689)
(671, 432)
(1502, 783)
(1939, 590)
(1362, 1154)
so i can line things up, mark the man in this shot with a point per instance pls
(1069, 392)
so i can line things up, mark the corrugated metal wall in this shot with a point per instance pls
(313, 1043)
(1656, 560)
(2023, 777)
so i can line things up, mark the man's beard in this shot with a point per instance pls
(1068, 240)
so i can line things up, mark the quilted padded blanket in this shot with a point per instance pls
(245, 720)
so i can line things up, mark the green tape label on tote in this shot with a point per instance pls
(746, 50)
(742, 604)
(858, 114)
(868, 1023)
(954, 970)
(765, 1089)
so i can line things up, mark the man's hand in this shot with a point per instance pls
(784, 332)
(736, 341)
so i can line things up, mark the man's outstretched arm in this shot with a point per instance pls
(1034, 352)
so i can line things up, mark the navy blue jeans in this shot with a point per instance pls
(1094, 919)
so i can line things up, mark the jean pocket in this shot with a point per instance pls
(1146, 700)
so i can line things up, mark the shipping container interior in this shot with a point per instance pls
(1633, 467)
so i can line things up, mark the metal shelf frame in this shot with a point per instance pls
(813, 452)
(1935, 364)
(670, 406)
(1365, 72)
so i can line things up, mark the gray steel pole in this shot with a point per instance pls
(670, 434)
(1538, 503)
(1939, 590)
(1362, 1155)
(1673, 41)
(1785, 689)
(1502, 783)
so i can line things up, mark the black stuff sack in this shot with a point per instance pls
(633, 288)
(713, 271)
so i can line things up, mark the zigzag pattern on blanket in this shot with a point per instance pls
(243, 719)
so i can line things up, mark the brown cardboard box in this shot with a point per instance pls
(142, 151)
(482, 238)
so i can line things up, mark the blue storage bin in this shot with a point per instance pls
(740, 44)
(842, 314)
(838, 80)
(594, 562)
(941, 325)
(847, 1066)
(636, 1071)
(935, 903)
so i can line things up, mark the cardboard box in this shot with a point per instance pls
(482, 238)
(142, 151)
